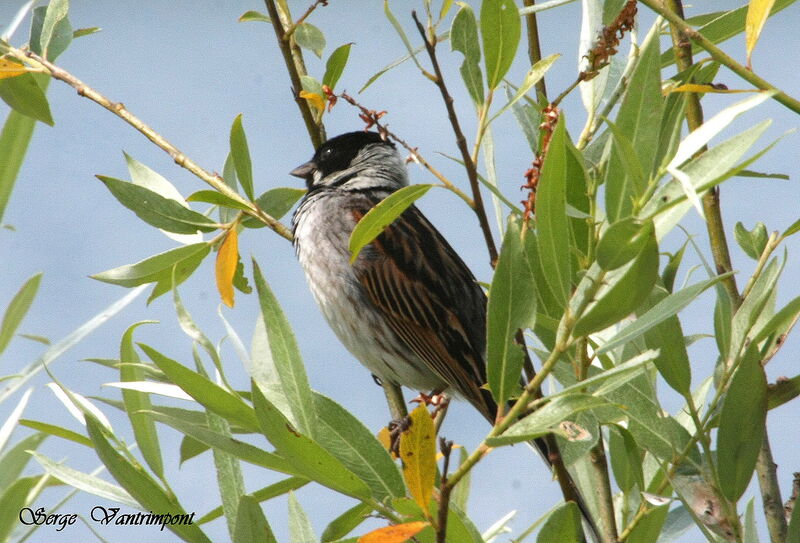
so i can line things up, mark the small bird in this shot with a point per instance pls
(407, 308)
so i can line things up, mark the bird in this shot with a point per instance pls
(407, 308)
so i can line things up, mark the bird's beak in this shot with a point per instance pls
(304, 171)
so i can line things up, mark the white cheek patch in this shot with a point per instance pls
(317, 177)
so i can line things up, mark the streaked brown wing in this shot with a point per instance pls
(432, 301)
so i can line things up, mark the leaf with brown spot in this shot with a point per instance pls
(418, 453)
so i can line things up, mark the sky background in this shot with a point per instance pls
(187, 69)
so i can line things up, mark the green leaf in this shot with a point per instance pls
(266, 493)
(626, 459)
(144, 429)
(793, 229)
(11, 502)
(793, 534)
(382, 215)
(500, 30)
(639, 119)
(310, 37)
(251, 524)
(546, 419)
(346, 438)
(464, 38)
(287, 364)
(347, 522)
(300, 530)
(157, 267)
(534, 75)
(741, 426)
(752, 242)
(552, 223)
(307, 457)
(139, 484)
(85, 482)
(54, 430)
(205, 392)
(14, 459)
(253, 16)
(411, 51)
(229, 473)
(622, 242)
(276, 203)
(24, 95)
(17, 309)
(61, 32)
(335, 65)
(81, 32)
(752, 306)
(671, 268)
(56, 12)
(157, 210)
(215, 440)
(240, 153)
(216, 198)
(512, 306)
(14, 140)
(665, 308)
(563, 525)
(622, 292)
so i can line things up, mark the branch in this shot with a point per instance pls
(461, 141)
(446, 447)
(119, 109)
(719, 55)
(293, 58)
(534, 49)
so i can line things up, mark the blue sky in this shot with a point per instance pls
(188, 69)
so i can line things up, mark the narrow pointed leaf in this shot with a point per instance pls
(276, 203)
(241, 156)
(227, 260)
(757, 13)
(14, 139)
(741, 426)
(17, 309)
(251, 524)
(157, 210)
(286, 363)
(300, 529)
(24, 95)
(345, 523)
(500, 31)
(563, 525)
(512, 306)
(158, 267)
(335, 65)
(382, 215)
(464, 38)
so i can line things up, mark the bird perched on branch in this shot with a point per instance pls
(407, 308)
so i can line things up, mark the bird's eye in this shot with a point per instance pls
(326, 153)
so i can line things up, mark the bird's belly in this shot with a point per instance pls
(358, 324)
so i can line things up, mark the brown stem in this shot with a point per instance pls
(602, 484)
(446, 447)
(765, 467)
(119, 109)
(534, 49)
(771, 493)
(293, 58)
(461, 141)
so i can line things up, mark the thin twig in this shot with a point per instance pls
(446, 447)
(293, 58)
(461, 142)
(534, 48)
(303, 17)
(119, 109)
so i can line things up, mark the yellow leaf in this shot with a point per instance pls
(757, 13)
(227, 258)
(9, 68)
(316, 100)
(695, 87)
(385, 437)
(418, 454)
(394, 534)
